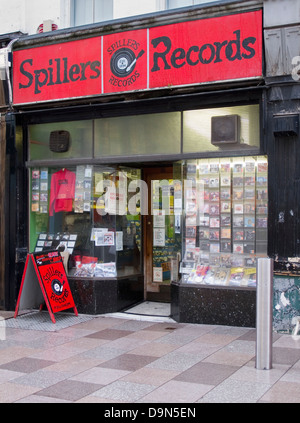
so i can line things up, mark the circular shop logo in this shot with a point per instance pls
(123, 62)
(57, 287)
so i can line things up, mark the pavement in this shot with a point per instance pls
(120, 359)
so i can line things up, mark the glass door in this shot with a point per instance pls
(161, 240)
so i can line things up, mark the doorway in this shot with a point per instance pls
(161, 243)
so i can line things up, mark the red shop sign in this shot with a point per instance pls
(188, 53)
(66, 70)
(44, 280)
(204, 51)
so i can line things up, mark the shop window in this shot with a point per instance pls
(80, 140)
(142, 134)
(83, 212)
(226, 220)
(198, 132)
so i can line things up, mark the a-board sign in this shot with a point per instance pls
(44, 280)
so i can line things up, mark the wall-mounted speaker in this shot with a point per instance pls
(225, 129)
(286, 125)
(59, 141)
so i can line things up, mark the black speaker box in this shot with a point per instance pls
(59, 141)
(286, 125)
(225, 129)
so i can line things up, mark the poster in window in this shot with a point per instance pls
(214, 209)
(159, 221)
(238, 168)
(249, 222)
(225, 194)
(214, 222)
(262, 167)
(159, 237)
(238, 221)
(225, 207)
(249, 208)
(35, 190)
(104, 239)
(191, 231)
(225, 180)
(119, 241)
(236, 276)
(214, 248)
(238, 248)
(225, 247)
(214, 235)
(226, 233)
(250, 167)
(78, 203)
(225, 220)
(225, 168)
(238, 208)
(238, 235)
(190, 242)
(157, 274)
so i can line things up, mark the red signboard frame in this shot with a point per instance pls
(224, 48)
(46, 270)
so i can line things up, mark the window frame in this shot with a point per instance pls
(73, 13)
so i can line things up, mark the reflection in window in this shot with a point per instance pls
(197, 128)
(80, 144)
(147, 134)
(142, 134)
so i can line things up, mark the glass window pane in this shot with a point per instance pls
(103, 10)
(197, 129)
(142, 134)
(173, 4)
(83, 12)
(226, 208)
(83, 211)
(80, 140)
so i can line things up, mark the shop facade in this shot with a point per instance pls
(142, 158)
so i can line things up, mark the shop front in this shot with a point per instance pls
(145, 164)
